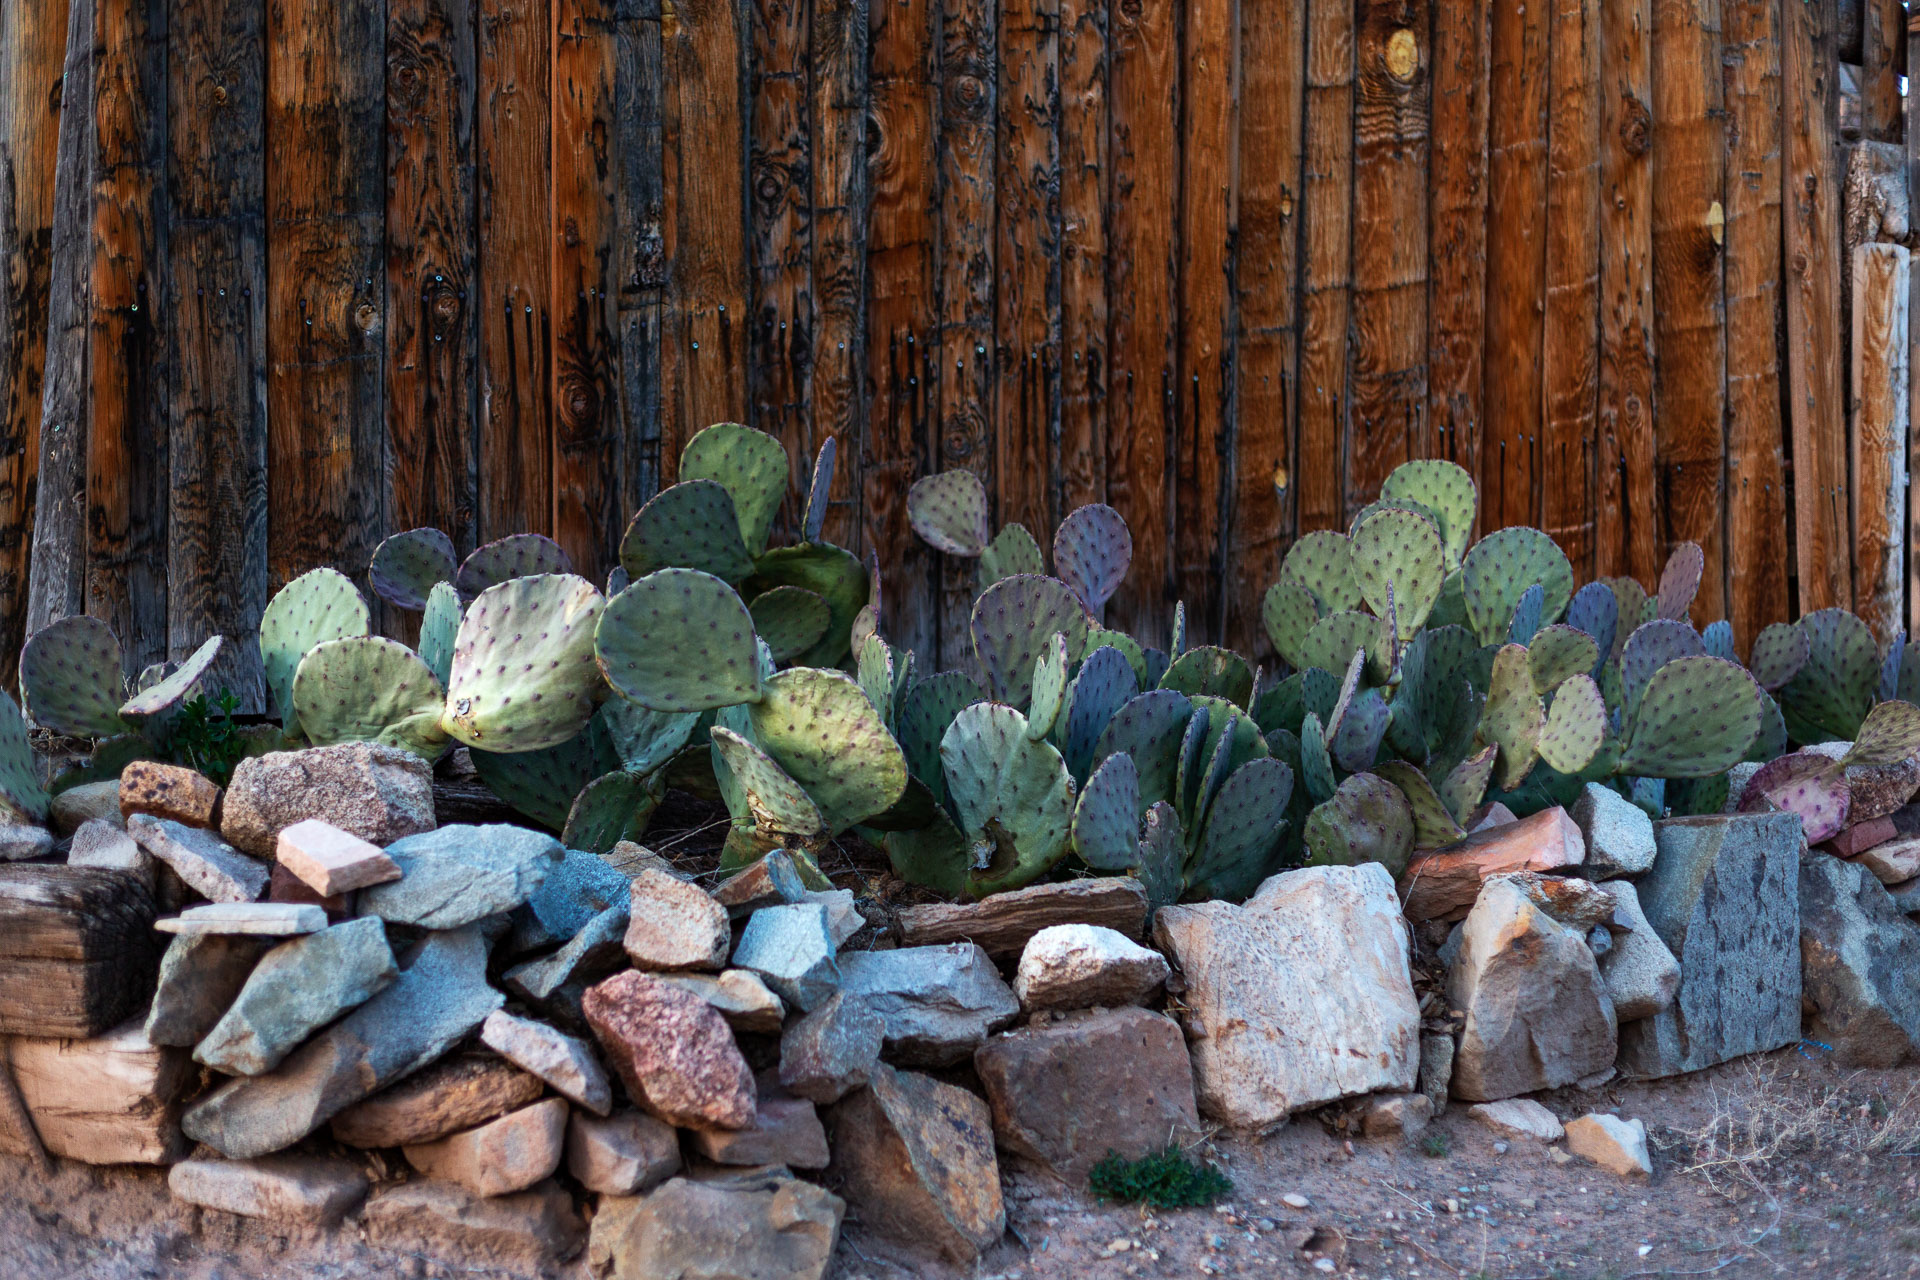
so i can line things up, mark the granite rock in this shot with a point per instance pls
(1616, 1145)
(578, 888)
(1079, 966)
(1860, 966)
(785, 1131)
(675, 925)
(765, 882)
(1618, 833)
(832, 1051)
(90, 801)
(672, 1050)
(457, 875)
(937, 1002)
(1641, 973)
(21, 841)
(99, 843)
(376, 792)
(1519, 1118)
(1395, 1115)
(1436, 1068)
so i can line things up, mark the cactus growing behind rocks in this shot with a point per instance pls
(523, 675)
(407, 566)
(314, 608)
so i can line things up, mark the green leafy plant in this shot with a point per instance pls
(1166, 1179)
(1435, 1144)
(206, 737)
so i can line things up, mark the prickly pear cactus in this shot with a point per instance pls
(1779, 651)
(406, 566)
(1527, 615)
(1443, 488)
(1513, 718)
(1334, 640)
(314, 608)
(523, 674)
(1829, 696)
(518, 555)
(1106, 820)
(155, 706)
(1014, 621)
(753, 467)
(949, 511)
(1498, 571)
(1558, 652)
(1356, 740)
(1316, 763)
(791, 620)
(1652, 646)
(1366, 820)
(820, 728)
(925, 712)
(1803, 783)
(1091, 551)
(1288, 611)
(1012, 796)
(1012, 552)
(1150, 728)
(1398, 555)
(1212, 671)
(542, 784)
(777, 803)
(690, 525)
(1433, 824)
(369, 689)
(1466, 783)
(820, 492)
(832, 573)
(1596, 611)
(1698, 717)
(1163, 855)
(1322, 562)
(439, 629)
(613, 807)
(1239, 845)
(1576, 725)
(1889, 734)
(70, 678)
(1049, 688)
(678, 640)
(1718, 638)
(21, 794)
(1105, 683)
(1680, 580)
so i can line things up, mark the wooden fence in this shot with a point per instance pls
(282, 278)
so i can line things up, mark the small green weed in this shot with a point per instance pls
(1165, 1180)
(1436, 1143)
(206, 738)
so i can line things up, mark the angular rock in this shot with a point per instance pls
(1894, 862)
(440, 996)
(1641, 973)
(675, 925)
(791, 947)
(843, 913)
(1862, 836)
(90, 801)
(20, 841)
(1444, 884)
(742, 999)
(1067, 1093)
(200, 975)
(1873, 791)
(1579, 904)
(786, 1131)
(1078, 966)
(752, 1224)
(938, 1003)
(524, 1234)
(1519, 1118)
(209, 865)
(622, 1154)
(577, 889)
(567, 1064)
(378, 793)
(832, 1051)
(630, 859)
(331, 861)
(502, 1156)
(254, 919)
(766, 882)
(1724, 896)
(456, 875)
(111, 1099)
(461, 1092)
(555, 984)
(1002, 924)
(1616, 1145)
(1488, 816)
(1538, 1013)
(297, 988)
(1436, 1068)
(169, 791)
(99, 843)
(1618, 833)
(915, 1159)
(286, 1188)
(672, 1051)
(284, 886)
(1905, 895)
(1860, 966)
(1395, 1115)
(1300, 997)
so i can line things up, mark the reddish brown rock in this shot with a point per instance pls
(1488, 816)
(672, 1050)
(1862, 836)
(449, 1096)
(169, 791)
(1442, 885)
(284, 886)
(1895, 861)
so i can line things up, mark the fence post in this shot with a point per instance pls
(1879, 427)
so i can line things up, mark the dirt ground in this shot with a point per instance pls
(1775, 1166)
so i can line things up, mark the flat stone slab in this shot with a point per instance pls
(1444, 884)
(200, 975)
(460, 1092)
(564, 1062)
(502, 1156)
(260, 919)
(746, 1002)
(1860, 966)
(331, 861)
(578, 888)
(211, 867)
(459, 874)
(937, 1002)
(1002, 923)
(310, 1189)
(297, 988)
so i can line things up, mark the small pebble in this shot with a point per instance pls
(1294, 1200)
(1323, 1264)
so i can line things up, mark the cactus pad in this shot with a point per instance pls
(1237, 847)
(1889, 734)
(1162, 860)
(1106, 820)
(791, 620)
(1289, 612)
(1526, 615)
(1105, 683)
(643, 741)
(1466, 783)
(1513, 717)
(1150, 728)
(934, 855)
(1356, 740)
(70, 678)
(1014, 620)
(1576, 725)
(1316, 763)
(1596, 611)
(1049, 688)
(1099, 637)
(678, 640)
(1560, 651)
(820, 491)
(753, 467)
(542, 784)
(1322, 562)
(613, 807)
(1779, 651)
(1680, 580)
(1698, 717)
(778, 803)
(1091, 551)
(820, 728)
(518, 555)
(314, 608)
(20, 791)
(832, 573)
(690, 525)
(1773, 739)
(369, 689)
(1398, 555)
(439, 629)
(1718, 639)
(523, 675)
(1831, 693)
(1013, 551)
(1500, 568)
(1212, 671)
(1433, 826)
(1652, 646)
(1444, 488)
(1337, 637)
(1803, 783)
(884, 674)
(928, 708)
(406, 565)
(1366, 820)
(1012, 795)
(158, 702)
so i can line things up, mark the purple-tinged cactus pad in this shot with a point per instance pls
(314, 608)
(1779, 651)
(1099, 637)
(1213, 671)
(1831, 693)
(1680, 580)
(1322, 562)
(820, 492)
(1356, 741)
(1890, 667)
(1526, 615)
(1889, 735)
(1105, 683)
(1559, 652)
(1652, 646)
(1500, 568)
(70, 678)
(406, 565)
(1632, 606)
(1466, 783)
(1433, 825)
(1245, 823)
(1014, 621)
(791, 620)
(20, 791)
(518, 555)
(523, 674)
(1150, 728)
(369, 689)
(1289, 611)
(1596, 611)
(678, 640)
(1162, 859)
(1367, 820)
(1231, 740)
(1091, 551)
(1698, 717)
(1106, 820)
(820, 728)
(613, 807)
(1398, 556)
(161, 700)
(753, 467)
(1810, 785)
(1576, 725)
(1443, 488)
(1718, 638)
(1011, 553)
(691, 525)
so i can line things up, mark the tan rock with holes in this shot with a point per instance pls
(169, 791)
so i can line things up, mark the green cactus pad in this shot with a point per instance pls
(678, 640)
(884, 673)
(1576, 725)
(1106, 820)
(1177, 643)
(314, 608)
(1215, 672)
(1450, 610)
(1500, 568)
(1316, 763)
(1526, 615)
(1889, 734)
(1596, 611)
(1680, 580)
(1322, 562)
(1779, 651)
(1149, 728)
(518, 555)
(70, 678)
(1651, 646)
(1049, 688)
(1558, 652)
(1163, 855)
(21, 794)
(832, 573)
(820, 728)
(440, 630)
(613, 807)
(1349, 685)
(1012, 552)
(1289, 611)
(643, 741)
(523, 674)
(1356, 741)
(1697, 717)
(369, 689)
(778, 803)
(1190, 764)
(1513, 717)
(406, 565)
(1104, 684)
(1366, 820)
(1829, 696)
(1632, 607)
(1399, 553)
(1907, 682)
(1461, 790)
(1718, 638)
(690, 525)
(1280, 706)
(1319, 692)
(1014, 621)
(1013, 796)
(1806, 784)
(542, 784)
(934, 855)
(1444, 488)
(820, 492)
(1773, 739)
(158, 703)
(1091, 551)
(1099, 637)
(791, 620)
(1240, 844)
(1337, 637)
(928, 708)
(753, 467)
(1433, 825)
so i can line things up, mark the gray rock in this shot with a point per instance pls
(297, 988)
(200, 975)
(622, 1154)
(286, 1188)
(1737, 779)
(1079, 966)
(843, 915)
(1395, 1115)
(20, 841)
(1538, 1013)
(1642, 974)
(98, 843)
(938, 1002)
(1519, 1118)
(554, 984)
(378, 793)
(742, 999)
(562, 1061)
(674, 925)
(1724, 896)
(440, 996)
(1860, 966)
(524, 1234)
(832, 1051)
(1906, 895)
(756, 1223)
(791, 947)
(459, 874)
(1619, 833)
(1619, 1146)
(1436, 1068)
(578, 888)
(259, 919)
(766, 882)
(210, 866)
(88, 802)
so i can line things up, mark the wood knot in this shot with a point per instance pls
(578, 399)
(968, 96)
(446, 307)
(1636, 125)
(367, 317)
(1403, 55)
(219, 95)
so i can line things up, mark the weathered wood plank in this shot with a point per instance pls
(1811, 209)
(1083, 251)
(1756, 457)
(1912, 122)
(1326, 269)
(513, 181)
(86, 934)
(1003, 923)
(1141, 278)
(780, 331)
(326, 184)
(639, 260)
(217, 418)
(1879, 435)
(1457, 260)
(837, 392)
(1883, 33)
(1266, 278)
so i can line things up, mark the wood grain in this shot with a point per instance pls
(639, 258)
(836, 400)
(1457, 259)
(1883, 34)
(1569, 368)
(1083, 250)
(780, 331)
(1879, 435)
(1326, 270)
(86, 935)
(1912, 123)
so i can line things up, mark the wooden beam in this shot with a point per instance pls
(1883, 32)
(836, 400)
(80, 945)
(779, 330)
(1457, 259)
(1326, 269)
(1083, 252)
(1879, 435)
(1569, 343)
